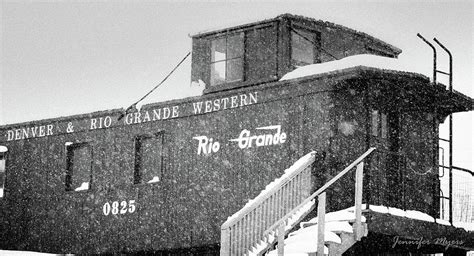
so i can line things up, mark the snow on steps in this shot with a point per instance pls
(305, 240)
(271, 238)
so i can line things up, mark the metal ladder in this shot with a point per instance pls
(450, 139)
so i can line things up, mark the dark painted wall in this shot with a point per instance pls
(197, 191)
(268, 48)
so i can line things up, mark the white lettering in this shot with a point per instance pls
(156, 114)
(243, 100)
(25, 133)
(253, 98)
(10, 135)
(175, 112)
(93, 123)
(166, 113)
(197, 107)
(146, 117)
(42, 134)
(217, 105)
(137, 118)
(34, 131)
(17, 134)
(225, 101)
(208, 106)
(206, 145)
(246, 141)
(234, 102)
(49, 129)
(107, 121)
(129, 118)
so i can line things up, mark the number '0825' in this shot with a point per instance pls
(117, 207)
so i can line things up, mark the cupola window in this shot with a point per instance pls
(227, 62)
(304, 50)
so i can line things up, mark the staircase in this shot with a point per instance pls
(338, 235)
(265, 221)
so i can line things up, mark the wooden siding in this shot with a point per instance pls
(198, 191)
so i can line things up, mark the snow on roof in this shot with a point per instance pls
(468, 226)
(304, 240)
(367, 60)
(22, 253)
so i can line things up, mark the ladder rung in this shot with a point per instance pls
(444, 139)
(444, 166)
(442, 72)
(444, 197)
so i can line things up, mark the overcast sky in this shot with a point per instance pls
(70, 57)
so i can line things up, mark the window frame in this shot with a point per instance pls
(137, 179)
(3, 157)
(226, 60)
(379, 124)
(316, 49)
(69, 174)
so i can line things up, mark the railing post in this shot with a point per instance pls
(358, 200)
(225, 242)
(281, 239)
(321, 222)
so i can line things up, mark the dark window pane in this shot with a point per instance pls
(235, 46)
(234, 70)
(2, 174)
(149, 155)
(384, 126)
(375, 122)
(152, 155)
(218, 52)
(218, 73)
(302, 50)
(78, 167)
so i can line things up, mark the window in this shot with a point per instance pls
(227, 62)
(148, 158)
(3, 152)
(304, 47)
(78, 166)
(379, 124)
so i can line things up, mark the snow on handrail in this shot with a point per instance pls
(297, 167)
(325, 186)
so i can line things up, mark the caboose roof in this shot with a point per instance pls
(396, 51)
(416, 90)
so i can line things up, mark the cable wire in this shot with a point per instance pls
(154, 88)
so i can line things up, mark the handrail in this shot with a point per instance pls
(246, 231)
(325, 186)
(261, 197)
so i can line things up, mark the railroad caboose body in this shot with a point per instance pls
(165, 177)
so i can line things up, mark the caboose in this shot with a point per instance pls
(241, 169)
